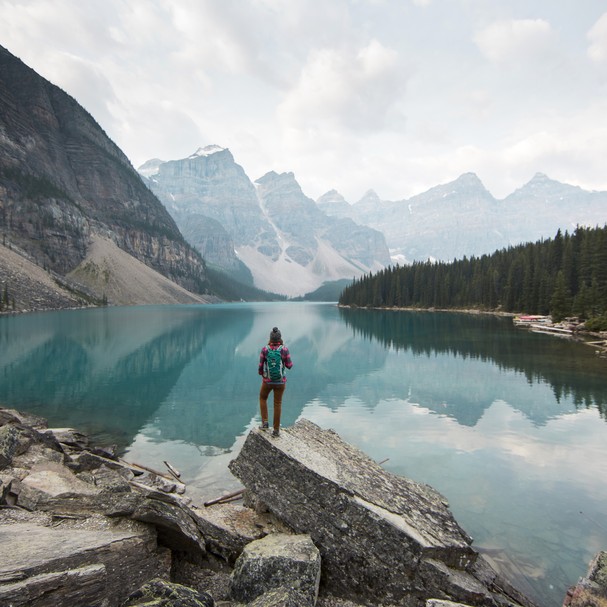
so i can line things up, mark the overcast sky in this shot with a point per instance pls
(394, 95)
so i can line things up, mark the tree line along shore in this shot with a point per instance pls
(565, 276)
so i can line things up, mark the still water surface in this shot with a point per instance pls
(510, 426)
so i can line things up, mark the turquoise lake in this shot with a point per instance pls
(510, 426)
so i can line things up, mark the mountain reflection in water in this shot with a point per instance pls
(542, 359)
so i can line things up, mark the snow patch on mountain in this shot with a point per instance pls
(206, 151)
(289, 278)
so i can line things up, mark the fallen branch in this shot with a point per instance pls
(225, 498)
(173, 471)
(147, 469)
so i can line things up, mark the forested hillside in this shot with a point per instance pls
(563, 276)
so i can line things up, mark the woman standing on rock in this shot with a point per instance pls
(273, 360)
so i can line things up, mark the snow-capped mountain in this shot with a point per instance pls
(271, 230)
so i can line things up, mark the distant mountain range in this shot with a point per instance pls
(269, 232)
(272, 233)
(462, 218)
(78, 223)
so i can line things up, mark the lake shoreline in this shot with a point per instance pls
(580, 335)
(123, 527)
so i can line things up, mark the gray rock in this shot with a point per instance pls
(49, 566)
(12, 416)
(18, 433)
(591, 590)
(69, 436)
(160, 593)
(382, 537)
(278, 561)
(228, 528)
(108, 479)
(176, 526)
(280, 597)
(9, 438)
(52, 487)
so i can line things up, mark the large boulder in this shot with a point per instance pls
(50, 486)
(9, 439)
(228, 528)
(18, 433)
(90, 534)
(58, 563)
(382, 537)
(175, 523)
(278, 562)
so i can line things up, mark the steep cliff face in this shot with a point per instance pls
(287, 243)
(62, 180)
(306, 226)
(211, 184)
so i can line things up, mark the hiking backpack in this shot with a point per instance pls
(274, 365)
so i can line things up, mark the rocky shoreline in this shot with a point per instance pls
(322, 524)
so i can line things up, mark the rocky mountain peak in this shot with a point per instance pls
(334, 204)
(150, 167)
(370, 197)
(469, 180)
(274, 177)
(540, 177)
(331, 196)
(542, 187)
(273, 227)
(285, 182)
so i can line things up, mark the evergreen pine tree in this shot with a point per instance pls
(560, 302)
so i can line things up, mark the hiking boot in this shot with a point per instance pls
(275, 433)
(264, 426)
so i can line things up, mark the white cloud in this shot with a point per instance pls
(569, 146)
(326, 89)
(597, 51)
(516, 41)
(354, 90)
